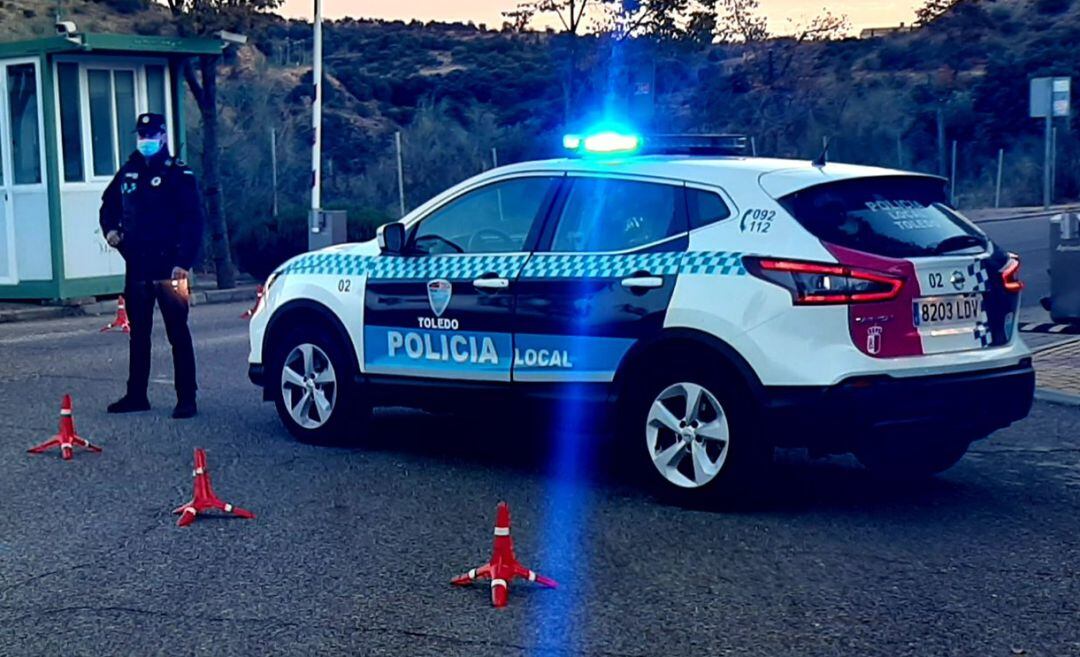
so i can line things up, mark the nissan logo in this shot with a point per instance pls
(958, 280)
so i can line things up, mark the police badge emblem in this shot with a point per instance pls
(873, 340)
(439, 292)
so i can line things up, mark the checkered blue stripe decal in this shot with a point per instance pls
(713, 263)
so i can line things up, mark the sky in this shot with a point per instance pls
(862, 13)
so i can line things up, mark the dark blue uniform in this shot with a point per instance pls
(154, 204)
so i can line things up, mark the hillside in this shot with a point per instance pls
(457, 91)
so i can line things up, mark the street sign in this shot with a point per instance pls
(1050, 97)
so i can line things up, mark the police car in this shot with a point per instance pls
(718, 305)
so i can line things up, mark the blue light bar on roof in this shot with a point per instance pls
(612, 142)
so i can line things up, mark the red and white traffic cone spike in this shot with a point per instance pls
(67, 440)
(504, 566)
(247, 314)
(204, 498)
(121, 320)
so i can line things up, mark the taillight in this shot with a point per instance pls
(812, 283)
(1010, 274)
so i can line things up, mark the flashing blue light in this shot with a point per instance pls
(606, 142)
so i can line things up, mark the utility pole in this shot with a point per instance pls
(316, 118)
(273, 168)
(1046, 160)
(1001, 168)
(400, 172)
(952, 178)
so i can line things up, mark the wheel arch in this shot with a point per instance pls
(686, 343)
(305, 312)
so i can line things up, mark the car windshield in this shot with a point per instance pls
(894, 216)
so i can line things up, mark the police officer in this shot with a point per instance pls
(151, 212)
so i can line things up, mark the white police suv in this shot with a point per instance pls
(722, 305)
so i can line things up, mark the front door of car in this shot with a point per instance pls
(444, 308)
(601, 279)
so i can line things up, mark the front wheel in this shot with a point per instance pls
(699, 432)
(314, 387)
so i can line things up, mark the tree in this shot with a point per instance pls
(665, 20)
(203, 17)
(740, 21)
(933, 10)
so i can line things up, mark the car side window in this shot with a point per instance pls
(493, 219)
(705, 208)
(605, 214)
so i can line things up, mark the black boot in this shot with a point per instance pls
(185, 408)
(129, 404)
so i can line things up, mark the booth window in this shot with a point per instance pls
(124, 82)
(25, 137)
(70, 122)
(155, 89)
(101, 128)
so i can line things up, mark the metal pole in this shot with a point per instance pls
(494, 157)
(952, 189)
(1001, 168)
(899, 152)
(316, 114)
(1053, 164)
(1046, 161)
(273, 167)
(400, 172)
(753, 146)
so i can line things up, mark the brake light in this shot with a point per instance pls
(1010, 275)
(812, 283)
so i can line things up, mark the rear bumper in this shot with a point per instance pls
(833, 418)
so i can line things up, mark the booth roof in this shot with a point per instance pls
(114, 43)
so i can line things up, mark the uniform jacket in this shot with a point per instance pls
(155, 206)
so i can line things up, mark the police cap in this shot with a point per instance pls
(150, 125)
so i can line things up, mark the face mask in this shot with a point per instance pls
(148, 147)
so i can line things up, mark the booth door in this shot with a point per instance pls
(7, 227)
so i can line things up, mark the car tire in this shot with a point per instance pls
(903, 456)
(312, 379)
(725, 463)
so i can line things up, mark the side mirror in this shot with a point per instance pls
(391, 238)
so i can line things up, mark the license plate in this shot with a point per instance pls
(941, 311)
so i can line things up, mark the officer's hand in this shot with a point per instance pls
(113, 238)
(179, 274)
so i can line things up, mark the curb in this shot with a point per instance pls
(208, 297)
(1057, 397)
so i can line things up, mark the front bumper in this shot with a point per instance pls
(256, 374)
(834, 418)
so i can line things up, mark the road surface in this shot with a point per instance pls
(353, 547)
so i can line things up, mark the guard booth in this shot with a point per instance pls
(67, 113)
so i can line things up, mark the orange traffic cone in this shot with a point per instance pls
(204, 498)
(504, 566)
(258, 302)
(67, 439)
(121, 321)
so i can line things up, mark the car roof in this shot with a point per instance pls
(778, 177)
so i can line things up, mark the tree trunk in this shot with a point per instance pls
(942, 169)
(211, 177)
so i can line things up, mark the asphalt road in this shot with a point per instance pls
(1030, 238)
(353, 547)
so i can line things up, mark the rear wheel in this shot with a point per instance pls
(902, 455)
(694, 431)
(314, 386)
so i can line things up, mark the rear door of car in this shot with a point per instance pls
(601, 278)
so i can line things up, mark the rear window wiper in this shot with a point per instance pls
(958, 243)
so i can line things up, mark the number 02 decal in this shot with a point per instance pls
(757, 221)
(344, 285)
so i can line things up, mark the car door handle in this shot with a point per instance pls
(491, 283)
(642, 282)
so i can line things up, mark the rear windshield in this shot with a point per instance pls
(894, 216)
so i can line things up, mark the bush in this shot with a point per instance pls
(1051, 7)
